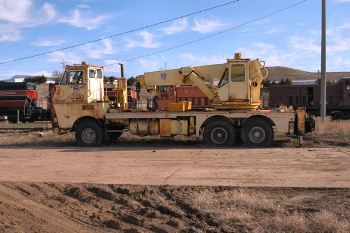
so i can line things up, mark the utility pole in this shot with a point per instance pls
(323, 63)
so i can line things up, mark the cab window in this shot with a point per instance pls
(224, 79)
(237, 73)
(72, 77)
(99, 73)
(92, 73)
(64, 79)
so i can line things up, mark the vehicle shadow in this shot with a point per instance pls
(130, 145)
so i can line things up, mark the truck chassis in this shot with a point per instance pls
(217, 128)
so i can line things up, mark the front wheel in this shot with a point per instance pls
(257, 133)
(89, 133)
(219, 133)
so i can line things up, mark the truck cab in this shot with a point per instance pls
(79, 94)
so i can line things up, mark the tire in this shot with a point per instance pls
(89, 133)
(257, 133)
(219, 133)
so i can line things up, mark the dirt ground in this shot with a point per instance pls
(48, 157)
(53, 207)
(47, 184)
(49, 138)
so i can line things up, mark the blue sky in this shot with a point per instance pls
(290, 38)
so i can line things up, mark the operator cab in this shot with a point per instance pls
(81, 83)
(238, 81)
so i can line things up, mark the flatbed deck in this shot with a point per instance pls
(279, 118)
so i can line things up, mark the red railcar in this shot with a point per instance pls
(308, 95)
(19, 100)
(172, 94)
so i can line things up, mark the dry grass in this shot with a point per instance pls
(332, 128)
(249, 200)
(259, 213)
(326, 221)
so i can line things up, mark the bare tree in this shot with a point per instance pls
(57, 75)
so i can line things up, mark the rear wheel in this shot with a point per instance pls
(219, 133)
(257, 133)
(89, 133)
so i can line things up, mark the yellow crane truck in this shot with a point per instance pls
(233, 88)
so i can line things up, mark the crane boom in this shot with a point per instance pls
(239, 82)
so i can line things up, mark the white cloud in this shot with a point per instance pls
(47, 42)
(309, 44)
(146, 42)
(339, 44)
(202, 59)
(82, 19)
(96, 52)
(272, 31)
(207, 25)
(306, 44)
(150, 64)
(176, 27)
(269, 53)
(22, 13)
(112, 66)
(48, 11)
(341, 1)
(344, 26)
(90, 51)
(83, 6)
(69, 57)
(10, 73)
(9, 33)
(14, 11)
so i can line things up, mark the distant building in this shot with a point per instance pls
(305, 82)
(21, 78)
(52, 80)
(307, 94)
(18, 78)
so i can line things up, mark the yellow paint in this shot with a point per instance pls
(80, 94)
(238, 82)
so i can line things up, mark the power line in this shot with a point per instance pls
(217, 33)
(122, 33)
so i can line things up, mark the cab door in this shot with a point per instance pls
(239, 82)
(224, 87)
(95, 85)
(70, 88)
(76, 85)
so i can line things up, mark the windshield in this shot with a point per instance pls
(224, 79)
(72, 77)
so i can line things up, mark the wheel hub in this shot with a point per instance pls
(219, 135)
(88, 135)
(257, 134)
